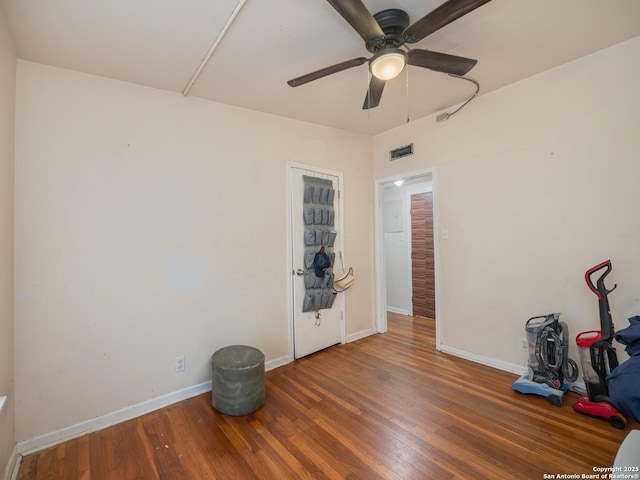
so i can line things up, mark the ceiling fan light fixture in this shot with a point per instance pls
(388, 63)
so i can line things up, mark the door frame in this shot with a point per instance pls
(340, 300)
(380, 274)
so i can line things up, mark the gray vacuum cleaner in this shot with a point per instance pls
(549, 366)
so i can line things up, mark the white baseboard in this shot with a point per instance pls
(104, 421)
(361, 334)
(399, 311)
(490, 362)
(13, 465)
(277, 362)
(127, 413)
(577, 386)
(53, 438)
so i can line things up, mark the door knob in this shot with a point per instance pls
(299, 272)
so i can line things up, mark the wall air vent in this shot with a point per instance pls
(401, 152)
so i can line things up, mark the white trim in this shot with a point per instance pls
(577, 386)
(53, 438)
(68, 433)
(490, 362)
(409, 245)
(277, 362)
(289, 246)
(399, 311)
(213, 47)
(289, 257)
(436, 248)
(13, 465)
(361, 334)
(380, 274)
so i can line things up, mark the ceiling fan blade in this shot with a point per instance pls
(359, 17)
(438, 18)
(440, 62)
(374, 94)
(323, 72)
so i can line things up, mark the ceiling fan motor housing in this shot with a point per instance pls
(393, 23)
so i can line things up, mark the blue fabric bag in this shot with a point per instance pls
(624, 381)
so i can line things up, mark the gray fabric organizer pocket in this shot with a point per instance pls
(324, 195)
(309, 237)
(319, 218)
(308, 303)
(331, 218)
(307, 215)
(332, 238)
(308, 259)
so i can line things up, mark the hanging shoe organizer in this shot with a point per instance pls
(319, 232)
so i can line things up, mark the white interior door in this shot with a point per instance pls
(318, 327)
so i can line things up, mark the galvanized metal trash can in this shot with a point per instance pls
(237, 382)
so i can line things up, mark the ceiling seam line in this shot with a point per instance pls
(205, 60)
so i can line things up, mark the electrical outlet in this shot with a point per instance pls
(180, 364)
(523, 344)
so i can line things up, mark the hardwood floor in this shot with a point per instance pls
(385, 407)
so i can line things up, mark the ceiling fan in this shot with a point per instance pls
(385, 33)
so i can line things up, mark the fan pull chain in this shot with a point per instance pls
(406, 67)
(369, 74)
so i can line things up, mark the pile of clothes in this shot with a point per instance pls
(624, 381)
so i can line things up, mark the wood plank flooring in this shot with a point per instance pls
(385, 407)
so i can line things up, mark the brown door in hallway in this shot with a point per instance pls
(422, 256)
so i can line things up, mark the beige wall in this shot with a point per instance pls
(150, 226)
(7, 102)
(536, 182)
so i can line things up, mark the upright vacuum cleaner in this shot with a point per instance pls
(597, 356)
(549, 365)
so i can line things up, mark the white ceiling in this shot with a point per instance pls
(160, 43)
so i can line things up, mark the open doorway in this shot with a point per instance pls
(407, 248)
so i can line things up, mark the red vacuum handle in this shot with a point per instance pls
(591, 271)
